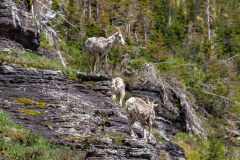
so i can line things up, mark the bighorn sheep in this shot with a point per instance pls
(99, 47)
(118, 89)
(139, 110)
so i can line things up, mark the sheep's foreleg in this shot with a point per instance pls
(96, 61)
(121, 99)
(106, 63)
(97, 65)
(149, 130)
(113, 97)
(144, 133)
(130, 126)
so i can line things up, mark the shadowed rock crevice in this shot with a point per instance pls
(17, 25)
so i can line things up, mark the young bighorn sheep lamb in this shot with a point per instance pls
(139, 110)
(118, 89)
(98, 47)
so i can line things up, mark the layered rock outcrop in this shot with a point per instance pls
(77, 115)
(174, 111)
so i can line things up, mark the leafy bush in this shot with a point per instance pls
(45, 41)
(201, 149)
(138, 63)
(217, 150)
(94, 30)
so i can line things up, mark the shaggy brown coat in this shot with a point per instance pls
(139, 110)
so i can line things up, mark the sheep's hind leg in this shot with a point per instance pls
(96, 61)
(149, 131)
(106, 63)
(91, 62)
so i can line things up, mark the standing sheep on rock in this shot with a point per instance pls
(98, 47)
(118, 89)
(139, 110)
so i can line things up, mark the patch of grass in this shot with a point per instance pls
(25, 145)
(193, 148)
(197, 148)
(235, 109)
(117, 137)
(33, 60)
(30, 112)
(14, 134)
(138, 63)
(90, 83)
(159, 137)
(78, 139)
(86, 140)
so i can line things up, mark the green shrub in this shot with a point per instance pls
(235, 109)
(45, 41)
(217, 150)
(138, 63)
(94, 29)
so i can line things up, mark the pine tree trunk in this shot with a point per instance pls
(98, 10)
(89, 11)
(169, 14)
(206, 54)
(145, 30)
(208, 20)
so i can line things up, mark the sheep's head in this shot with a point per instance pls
(113, 87)
(119, 38)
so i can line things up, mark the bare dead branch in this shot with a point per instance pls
(225, 98)
(59, 15)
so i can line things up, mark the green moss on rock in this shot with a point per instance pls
(25, 101)
(42, 105)
(30, 112)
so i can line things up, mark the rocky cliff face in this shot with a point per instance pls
(74, 114)
(17, 28)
